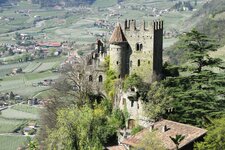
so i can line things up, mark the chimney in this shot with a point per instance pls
(151, 128)
(164, 128)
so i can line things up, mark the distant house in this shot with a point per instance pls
(164, 129)
(26, 130)
(32, 125)
(49, 44)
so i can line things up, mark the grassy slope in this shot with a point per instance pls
(11, 142)
(9, 125)
(16, 114)
(210, 19)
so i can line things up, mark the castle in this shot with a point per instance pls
(139, 51)
(132, 50)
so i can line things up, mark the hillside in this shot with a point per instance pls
(210, 19)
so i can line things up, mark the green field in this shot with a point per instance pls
(26, 108)
(76, 26)
(34, 72)
(9, 125)
(15, 114)
(6, 69)
(11, 142)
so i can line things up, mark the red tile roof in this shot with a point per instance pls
(191, 133)
(49, 44)
(117, 35)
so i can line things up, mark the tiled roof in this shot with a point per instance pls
(191, 133)
(50, 44)
(117, 35)
(120, 147)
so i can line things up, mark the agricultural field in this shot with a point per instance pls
(76, 25)
(13, 120)
(26, 108)
(32, 66)
(10, 142)
(9, 125)
(34, 72)
(11, 113)
(6, 69)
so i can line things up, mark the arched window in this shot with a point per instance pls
(117, 62)
(100, 78)
(90, 78)
(139, 62)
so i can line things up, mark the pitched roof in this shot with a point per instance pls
(117, 35)
(191, 134)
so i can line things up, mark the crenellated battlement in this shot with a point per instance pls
(158, 24)
(131, 25)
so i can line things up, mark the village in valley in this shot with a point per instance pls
(62, 60)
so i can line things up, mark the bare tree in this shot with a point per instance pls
(76, 85)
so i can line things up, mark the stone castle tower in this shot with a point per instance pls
(137, 50)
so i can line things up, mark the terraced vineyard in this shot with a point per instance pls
(32, 66)
(45, 66)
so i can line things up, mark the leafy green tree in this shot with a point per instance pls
(157, 101)
(199, 93)
(196, 98)
(32, 144)
(110, 83)
(83, 128)
(214, 140)
(133, 81)
(198, 46)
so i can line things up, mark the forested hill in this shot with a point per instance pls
(210, 19)
(50, 3)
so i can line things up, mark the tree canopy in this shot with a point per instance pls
(196, 92)
(215, 136)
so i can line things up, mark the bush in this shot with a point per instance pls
(32, 132)
(136, 130)
(132, 81)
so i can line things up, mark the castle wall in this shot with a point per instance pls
(146, 49)
(119, 59)
(133, 107)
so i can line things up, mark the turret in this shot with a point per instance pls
(119, 52)
(157, 49)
